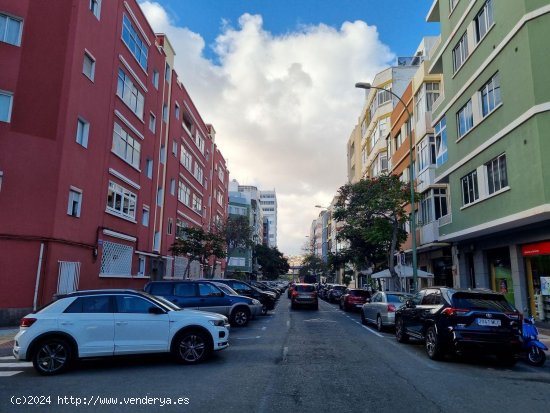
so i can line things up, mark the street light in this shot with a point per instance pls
(368, 86)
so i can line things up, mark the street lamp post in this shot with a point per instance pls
(368, 86)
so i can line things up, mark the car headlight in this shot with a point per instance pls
(219, 323)
(255, 302)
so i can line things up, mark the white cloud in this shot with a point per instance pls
(283, 106)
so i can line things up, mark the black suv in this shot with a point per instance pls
(455, 321)
(267, 299)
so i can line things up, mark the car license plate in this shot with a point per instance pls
(359, 305)
(488, 322)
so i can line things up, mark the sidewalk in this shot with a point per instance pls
(6, 340)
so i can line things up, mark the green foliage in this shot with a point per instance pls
(373, 213)
(272, 261)
(312, 265)
(237, 232)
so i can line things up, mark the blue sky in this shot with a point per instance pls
(276, 79)
(401, 23)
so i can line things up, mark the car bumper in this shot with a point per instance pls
(305, 301)
(221, 339)
(486, 343)
(20, 346)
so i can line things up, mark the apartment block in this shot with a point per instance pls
(104, 157)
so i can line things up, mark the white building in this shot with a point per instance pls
(268, 203)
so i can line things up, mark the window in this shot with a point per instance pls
(10, 30)
(170, 226)
(174, 148)
(141, 266)
(441, 142)
(155, 79)
(88, 67)
(185, 158)
(177, 110)
(130, 94)
(208, 290)
(82, 131)
(75, 203)
(197, 203)
(465, 119)
(149, 168)
(116, 259)
(484, 20)
(160, 196)
(94, 304)
(219, 197)
(5, 106)
(199, 141)
(490, 95)
(460, 52)
(121, 201)
(133, 305)
(125, 146)
(165, 113)
(152, 123)
(426, 215)
(426, 153)
(132, 39)
(440, 202)
(470, 191)
(184, 290)
(221, 174)
(162, 154)
(384, 96)
(497, 177)
(180, 227)
(156, 241)
(184, 193)
(145, 217)
(95, 7)
(198, 174)
(432, 93)
(398, 140)
(167, 72)
(173, 186)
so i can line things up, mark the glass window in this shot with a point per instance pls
(185, 158)
(125, 146)
(184, 193)
(460, 52)
(95, 7)
(490, 95)
(152, 123)
(465, 119)
(197, 203)
(198, 173)
(452, 4)
(426, 214)
(484, 20)
(440, 202)
(170, 226)
(497, 177)
(149, 168)
(426, 153)
(185, 290)
(94, 304)
(133, 305)
(441, 142)
(88, 67)
(155, 79)
(75, 202)
(432, 94)
(133, 40)
(5, 106)
(177, 111)
(208, 290)
(173, 186)
(470, 191)
(145, 217)
(162, 289)
(10, 30)
(82, 131)
(121, 201)
(130, 94)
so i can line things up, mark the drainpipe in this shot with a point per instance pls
(38, 271)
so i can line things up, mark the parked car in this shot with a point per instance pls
(323, 291)
(382, 307)
(101, 323)
(268, 299)
(206, 296)
(353, 299)
(263, 287)
(334, 294)
(304, 295)
(290, 289)
(457, 321)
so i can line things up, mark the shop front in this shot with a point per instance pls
(537, 269)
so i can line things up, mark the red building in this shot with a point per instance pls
(103, 155)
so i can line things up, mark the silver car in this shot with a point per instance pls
(381, 308)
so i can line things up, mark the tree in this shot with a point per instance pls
(374, 215)
(192, 245)
(272, 261)
(312, 265)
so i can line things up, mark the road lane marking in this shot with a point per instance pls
(9, 373)
(7, 358)
(372, 331)
(19, 365)
(247, 338)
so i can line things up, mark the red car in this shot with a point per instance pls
(353, 299)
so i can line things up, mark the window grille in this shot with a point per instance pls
(116, 259)
(68, 277)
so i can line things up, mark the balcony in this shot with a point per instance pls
(423, 125)
(425, 178)
(410, 61)
(429, 233)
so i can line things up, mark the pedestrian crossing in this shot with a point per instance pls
(10, 367)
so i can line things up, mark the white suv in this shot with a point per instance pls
(100, 323)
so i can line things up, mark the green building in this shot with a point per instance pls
(492, 132)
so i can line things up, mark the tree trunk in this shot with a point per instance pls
(212, 275)
(187, 269)
(394, 277)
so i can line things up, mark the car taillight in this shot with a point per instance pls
(515, 316)
(455, 311)
(391, 308)
(294, 293)
(27, 322)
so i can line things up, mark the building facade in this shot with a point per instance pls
(103, 155)
(268, 203)
(490, 126)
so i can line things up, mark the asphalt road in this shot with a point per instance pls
(288, 361)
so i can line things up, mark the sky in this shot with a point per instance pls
(276, 80)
